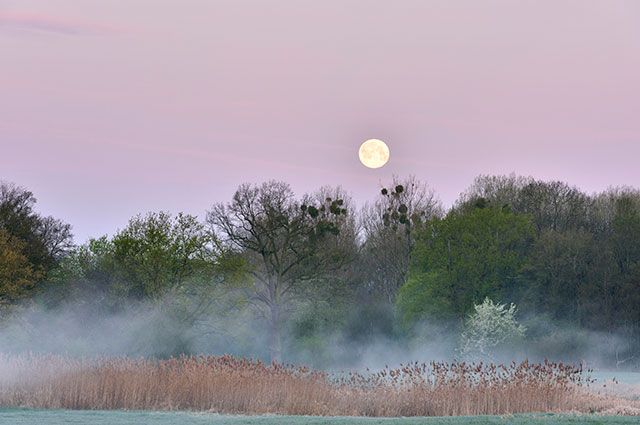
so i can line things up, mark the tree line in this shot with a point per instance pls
(309, 270)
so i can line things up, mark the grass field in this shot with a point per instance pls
(60, 417)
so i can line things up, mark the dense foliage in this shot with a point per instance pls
(272, 274)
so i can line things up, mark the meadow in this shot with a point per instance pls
(60, 417)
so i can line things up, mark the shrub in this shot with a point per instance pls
(490, 328)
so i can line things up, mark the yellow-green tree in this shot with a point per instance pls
(17, 275)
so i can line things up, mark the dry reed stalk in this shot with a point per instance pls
(227, 384)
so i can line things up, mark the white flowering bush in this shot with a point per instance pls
(491, 327)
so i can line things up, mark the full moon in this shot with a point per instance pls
(373, 153)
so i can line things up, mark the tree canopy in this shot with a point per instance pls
(299, 274)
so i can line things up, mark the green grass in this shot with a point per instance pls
(78, 417)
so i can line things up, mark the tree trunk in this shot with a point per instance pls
(275, 341)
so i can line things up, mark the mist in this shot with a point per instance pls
(313, 280)
(157, 329)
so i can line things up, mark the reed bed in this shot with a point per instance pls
(231, 385)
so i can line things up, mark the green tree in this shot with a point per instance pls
(559, 270)
(626, 252)
(31, 245)
(463, 258)
(158, 253)
(46, 239)
(86, 276)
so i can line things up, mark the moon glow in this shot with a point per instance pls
(373, 153)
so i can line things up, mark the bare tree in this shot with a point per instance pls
(57, 236)
(553, 205)
(499, 190)
(287, 245)
(389, 231)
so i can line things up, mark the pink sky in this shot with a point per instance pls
(109, 108)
